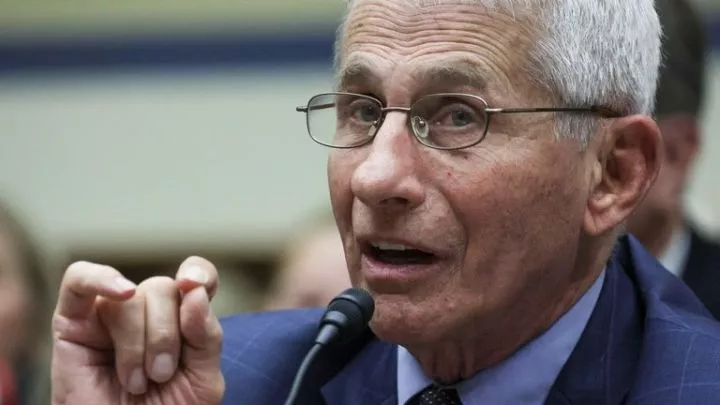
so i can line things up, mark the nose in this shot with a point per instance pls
(388, 177)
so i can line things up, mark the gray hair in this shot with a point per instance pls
(589, 52)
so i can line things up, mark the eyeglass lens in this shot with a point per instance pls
(438, 120)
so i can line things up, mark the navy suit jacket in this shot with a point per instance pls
(649, 341)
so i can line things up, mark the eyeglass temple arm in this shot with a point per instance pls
(602, 111)
(315, 107)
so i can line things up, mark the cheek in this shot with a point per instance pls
(340, 172)
(517, 215)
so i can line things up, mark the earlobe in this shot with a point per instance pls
(628, 161)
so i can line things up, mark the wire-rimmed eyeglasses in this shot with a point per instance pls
(447, 121)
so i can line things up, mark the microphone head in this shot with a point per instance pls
(350, 312)
(358, 297)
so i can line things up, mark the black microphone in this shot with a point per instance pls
(346, 317)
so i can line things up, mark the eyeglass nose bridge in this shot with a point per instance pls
(383, 114)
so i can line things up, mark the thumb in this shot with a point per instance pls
(201, 331)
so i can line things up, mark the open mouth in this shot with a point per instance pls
(396, 254)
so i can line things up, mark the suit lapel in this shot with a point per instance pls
(602, 365)
(370, 378)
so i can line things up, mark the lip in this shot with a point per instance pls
(395, 277)
(384, 277)
(365, 241)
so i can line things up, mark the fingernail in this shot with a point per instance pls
(138, 382)
(163, 367)
(196, 274)
(122, 284)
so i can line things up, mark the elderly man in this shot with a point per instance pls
(660, 222)
(486, 155)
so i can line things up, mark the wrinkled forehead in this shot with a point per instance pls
(431, 43)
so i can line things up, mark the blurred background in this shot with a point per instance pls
(135, 133)
(138, 132)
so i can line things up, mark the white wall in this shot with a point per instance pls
(151, 161)
(183, 159)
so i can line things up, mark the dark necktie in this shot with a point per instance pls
(437, 396)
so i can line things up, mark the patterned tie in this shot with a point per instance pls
(433, 395)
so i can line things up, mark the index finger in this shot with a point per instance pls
(83, 282)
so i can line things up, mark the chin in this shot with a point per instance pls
(400, 321)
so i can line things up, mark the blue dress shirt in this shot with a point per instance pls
(526, 377)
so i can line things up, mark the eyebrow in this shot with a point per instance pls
(357, 72)
(452, 74)
(440, 76)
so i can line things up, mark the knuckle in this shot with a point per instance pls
(215, 333)
(76, 268)
(84, 272)
(61, 326)
(130, 354)
(129, 347)
(218, 330)
(164, 336)
(162, 283)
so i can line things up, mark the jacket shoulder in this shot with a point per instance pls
(680, 364)
(680, 359)
(262, 351)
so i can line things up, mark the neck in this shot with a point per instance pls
(459, 359)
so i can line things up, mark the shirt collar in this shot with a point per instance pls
(675, 256)
(525, 377)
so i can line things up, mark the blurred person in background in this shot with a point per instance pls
(660, 222)
(24, 312)
(313, 270)
(8, 385)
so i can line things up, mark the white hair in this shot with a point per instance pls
(589, 53)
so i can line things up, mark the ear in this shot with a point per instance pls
(627, 160)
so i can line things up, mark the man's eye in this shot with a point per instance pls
(456, 116)
(366, 113)
(461, 117)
